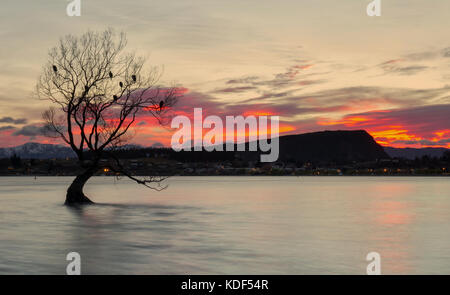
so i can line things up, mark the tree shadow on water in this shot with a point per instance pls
(132, 217)
(110, 235)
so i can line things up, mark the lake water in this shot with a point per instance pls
(228, 225)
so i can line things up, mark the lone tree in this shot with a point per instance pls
(99, 91)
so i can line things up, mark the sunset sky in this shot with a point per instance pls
(318, 64)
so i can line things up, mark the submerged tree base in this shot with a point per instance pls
(74, 199)
(75, 195)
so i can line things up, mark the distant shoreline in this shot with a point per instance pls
(262, 175)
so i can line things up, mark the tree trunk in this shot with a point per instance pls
(75, 195)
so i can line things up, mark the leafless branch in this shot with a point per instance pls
(100, 91)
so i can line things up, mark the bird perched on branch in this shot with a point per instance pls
(120, 84)
(115, 97)
(161, 105)
(133, 77)
(110, 75)
(55, 69)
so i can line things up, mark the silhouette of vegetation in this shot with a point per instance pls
(446, 157)
(16, 161)
(98, 91)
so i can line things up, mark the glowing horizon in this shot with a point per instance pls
(318, 65)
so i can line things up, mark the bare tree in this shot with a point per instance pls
(99, 90)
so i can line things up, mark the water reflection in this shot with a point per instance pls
(228, 225)
(392, 210)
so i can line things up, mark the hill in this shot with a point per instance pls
(325, 146)
(331, 146)
(412, 153)
(318, 147)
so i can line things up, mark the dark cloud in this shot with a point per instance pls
(360, 96)
(446, 52)
(421, 56)
(30, 130)
(267, 95)
(421, 121)
(391, 67)
(406, 65)
(293, 76)
(286, 104)
(244, 80)
(9, 127)
(235, 89)
(282, 85)
(11, 120)
(411, 70)
(424, 142)
(427, 55)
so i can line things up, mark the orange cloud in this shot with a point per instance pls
(414, 127)
(258, 113)
(349, 121)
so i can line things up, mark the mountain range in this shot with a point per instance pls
(412, 153)
(325, 146)
(34, 150)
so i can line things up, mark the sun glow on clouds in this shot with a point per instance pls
(417, 127)
(258, 113)
(390, 136)
(348, 121)
(384, 134)
(314, 72)
(442, 134)
(151, 131)
(307, 98)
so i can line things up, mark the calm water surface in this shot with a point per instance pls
(228, 225)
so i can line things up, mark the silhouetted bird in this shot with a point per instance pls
(55, 69)
(115, 97)
(133, 77)
(120, 84)
(161, 104)
(110, 75)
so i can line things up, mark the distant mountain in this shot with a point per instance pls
(331, 146)
(318, 147)
(325, 146)
(157, 145)
(34, 150)
(130, 146)
(412, 153)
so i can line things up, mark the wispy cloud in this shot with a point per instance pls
(11, 120)
(9, 127)
(30, 130)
